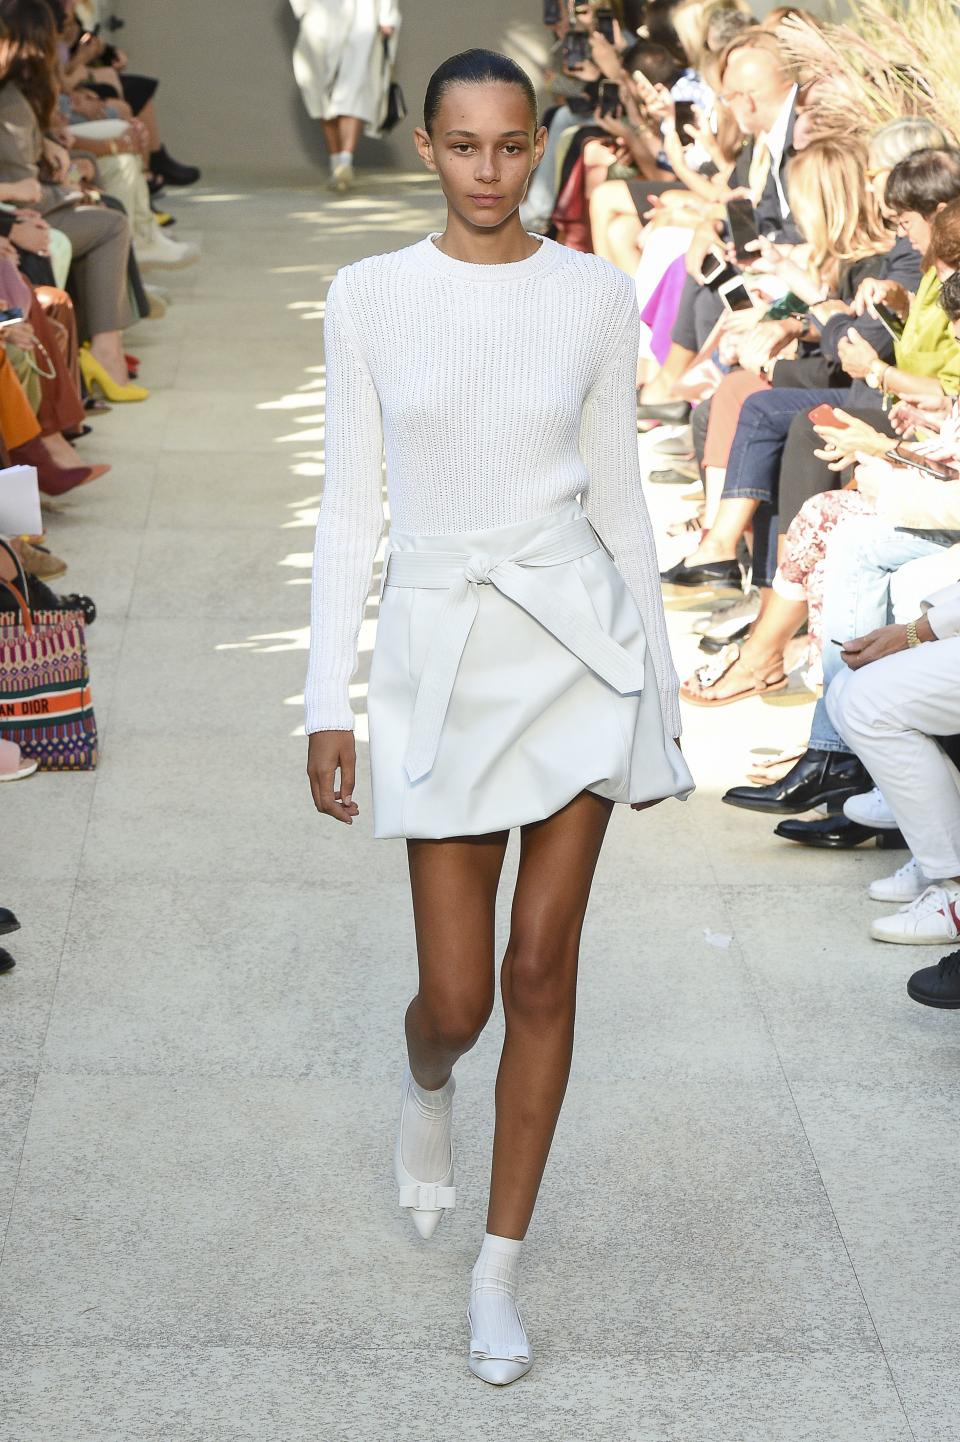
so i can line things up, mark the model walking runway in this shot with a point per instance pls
(521, 675)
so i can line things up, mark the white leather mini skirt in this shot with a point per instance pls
(508, 675)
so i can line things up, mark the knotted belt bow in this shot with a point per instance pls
(514, 576)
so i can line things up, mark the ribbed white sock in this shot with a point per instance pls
(493, 1292)
(339, 157)
(427, 1116)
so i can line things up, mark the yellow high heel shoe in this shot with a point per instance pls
(97, 378)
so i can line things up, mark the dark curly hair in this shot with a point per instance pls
(475, 67)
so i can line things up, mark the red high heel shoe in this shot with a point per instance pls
(53, 480)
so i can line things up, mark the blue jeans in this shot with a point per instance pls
(862, 554)
(753, 467)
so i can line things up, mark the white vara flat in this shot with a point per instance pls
(427, 1201)
(498, 1370)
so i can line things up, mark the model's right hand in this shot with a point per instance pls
(329, 752)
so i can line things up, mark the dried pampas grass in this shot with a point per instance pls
(891, 59)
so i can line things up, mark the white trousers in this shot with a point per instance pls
(887, 713)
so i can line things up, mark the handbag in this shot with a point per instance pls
(396, 107)
(571, 214)
(45, 703)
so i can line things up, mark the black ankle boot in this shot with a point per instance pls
(818, 778)
(164, 165)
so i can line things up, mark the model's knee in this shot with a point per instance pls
(452, 1022)
(539, 978)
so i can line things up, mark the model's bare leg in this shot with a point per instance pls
(351, 128)
(454, 885)
(331, 134)
(538, 983)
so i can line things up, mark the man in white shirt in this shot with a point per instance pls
(901, 690)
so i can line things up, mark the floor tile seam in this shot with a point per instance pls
(696, 1354)
(748, 970)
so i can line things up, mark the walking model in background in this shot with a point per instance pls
(343, 70)
(521, 673)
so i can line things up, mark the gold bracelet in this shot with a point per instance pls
(912, 638)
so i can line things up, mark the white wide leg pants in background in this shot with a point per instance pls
(888, 713)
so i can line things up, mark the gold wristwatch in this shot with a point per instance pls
(912, 638)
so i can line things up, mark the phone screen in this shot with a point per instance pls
(890, 321)
(576, 48)
(610, 103)
(713, 268)
(552, 13)
(735, 295)
(604, 23)
(683, 113)
(742, 219)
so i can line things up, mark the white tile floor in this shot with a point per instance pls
(741, 1236)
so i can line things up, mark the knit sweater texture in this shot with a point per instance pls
(497, 393)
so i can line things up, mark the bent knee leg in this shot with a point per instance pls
(453, 1019)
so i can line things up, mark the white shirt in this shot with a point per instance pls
(498, 392)
(775, 140)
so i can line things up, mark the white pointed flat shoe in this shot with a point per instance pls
(500, 1371)
(427, 1201)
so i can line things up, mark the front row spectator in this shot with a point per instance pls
(900, 691)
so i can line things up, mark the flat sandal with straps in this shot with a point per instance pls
(714, 671)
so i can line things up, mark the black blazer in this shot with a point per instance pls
(769, 216)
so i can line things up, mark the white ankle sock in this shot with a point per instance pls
(338, 157)
(427, 1116)
(493, 1292)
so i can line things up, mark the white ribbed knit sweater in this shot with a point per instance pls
(499, 392)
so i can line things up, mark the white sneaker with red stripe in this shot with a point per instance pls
(929, 921)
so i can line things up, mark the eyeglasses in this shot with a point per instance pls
(727, 100)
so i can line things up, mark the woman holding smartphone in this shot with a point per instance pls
(521, 674)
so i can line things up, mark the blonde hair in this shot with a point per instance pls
(832, 205)
(691, 18)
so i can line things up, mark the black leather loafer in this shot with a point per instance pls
(837, 833)
(7, 962)
(937, 985)
(712, 575)
(675, 413)
(819, 778)
(8, 922)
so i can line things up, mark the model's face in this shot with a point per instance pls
(484, 149)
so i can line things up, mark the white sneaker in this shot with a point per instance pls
(929, 921)
(903, 886)
(870, 809)
(166, 253)
(343, 177)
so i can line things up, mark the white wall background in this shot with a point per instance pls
(228, 101)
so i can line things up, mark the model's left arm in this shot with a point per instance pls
(614, 500)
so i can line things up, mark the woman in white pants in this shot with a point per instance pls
(900, 691)
(342, 68)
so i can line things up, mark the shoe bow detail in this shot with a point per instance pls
(428, 1195)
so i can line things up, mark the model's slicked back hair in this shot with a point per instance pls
(475, 67)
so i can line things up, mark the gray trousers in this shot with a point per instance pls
(98, 273)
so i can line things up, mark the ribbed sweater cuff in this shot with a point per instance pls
(328, 709)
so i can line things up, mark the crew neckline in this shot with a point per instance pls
(546, 255)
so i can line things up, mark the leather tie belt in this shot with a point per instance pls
(515, 576)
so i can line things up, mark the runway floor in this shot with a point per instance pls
(742, 1231)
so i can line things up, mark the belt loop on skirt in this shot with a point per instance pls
(516, 577)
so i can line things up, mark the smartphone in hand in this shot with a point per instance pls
(827, 416)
